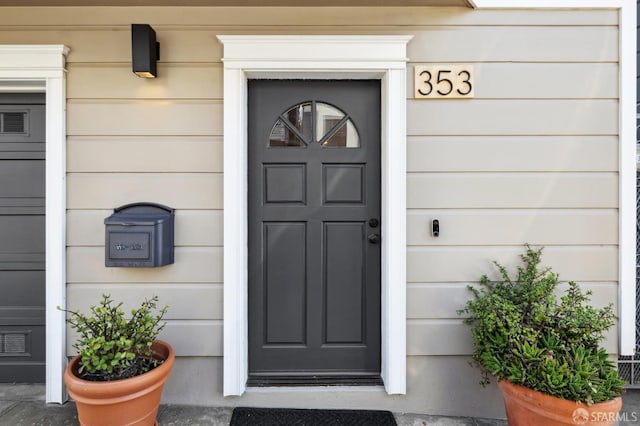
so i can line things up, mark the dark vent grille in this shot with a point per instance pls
(629, 366)
(12, 122)
(13, 343)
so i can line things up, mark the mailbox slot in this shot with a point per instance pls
(139, 235)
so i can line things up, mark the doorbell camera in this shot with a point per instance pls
(435, 227)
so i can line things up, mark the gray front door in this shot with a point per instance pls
(314, 231)
(22, 238)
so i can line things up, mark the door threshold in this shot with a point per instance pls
(324, 380)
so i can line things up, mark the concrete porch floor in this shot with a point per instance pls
(23, 405)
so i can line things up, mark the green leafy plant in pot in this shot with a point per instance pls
(121, 367)
(544, 350)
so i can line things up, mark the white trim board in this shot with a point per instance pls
(42, 66)
(318, 57)
(627, 146)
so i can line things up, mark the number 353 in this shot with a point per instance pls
(443, 81)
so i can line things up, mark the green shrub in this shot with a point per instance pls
(113, 347)
(523, 334)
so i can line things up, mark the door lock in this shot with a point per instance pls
(374, 223)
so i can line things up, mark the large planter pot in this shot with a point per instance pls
(526, 407)
(132, 401)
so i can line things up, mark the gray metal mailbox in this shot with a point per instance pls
(139, 235)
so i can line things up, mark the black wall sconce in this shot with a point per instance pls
(145, 51)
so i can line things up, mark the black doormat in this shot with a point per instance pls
(246, 416)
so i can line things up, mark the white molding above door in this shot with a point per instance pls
(35, 68)
(315, 57)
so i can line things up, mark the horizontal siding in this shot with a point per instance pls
(144, 117)
(452, 337)
(180, 191)
(443, 300)
(144, 154)
(440, 302)
(192, 227)
(177, 81)
(204, 338)
(185, 301)
(512, 117)
(194, 338)
(512, 190)
(192, 265)
(512, 154)
(519, 44)
(466, 264)
(513, 227)
(494, 81)
(475, 44)
(177, 45)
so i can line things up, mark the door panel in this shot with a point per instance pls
(345, 251)
(314, 274)
(22, 231)
(343, 183)
(285, 183)
(285, 271)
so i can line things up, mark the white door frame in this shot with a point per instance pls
(315, 57)
(41, 68)
(627, 147)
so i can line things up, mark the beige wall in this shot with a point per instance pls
(533, 158)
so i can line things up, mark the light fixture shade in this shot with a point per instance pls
(145, 51)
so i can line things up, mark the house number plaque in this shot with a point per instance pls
(443, 81)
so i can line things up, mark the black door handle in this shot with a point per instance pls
(374, 238)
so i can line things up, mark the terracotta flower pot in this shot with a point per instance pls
(526, 407)
(132, 401)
